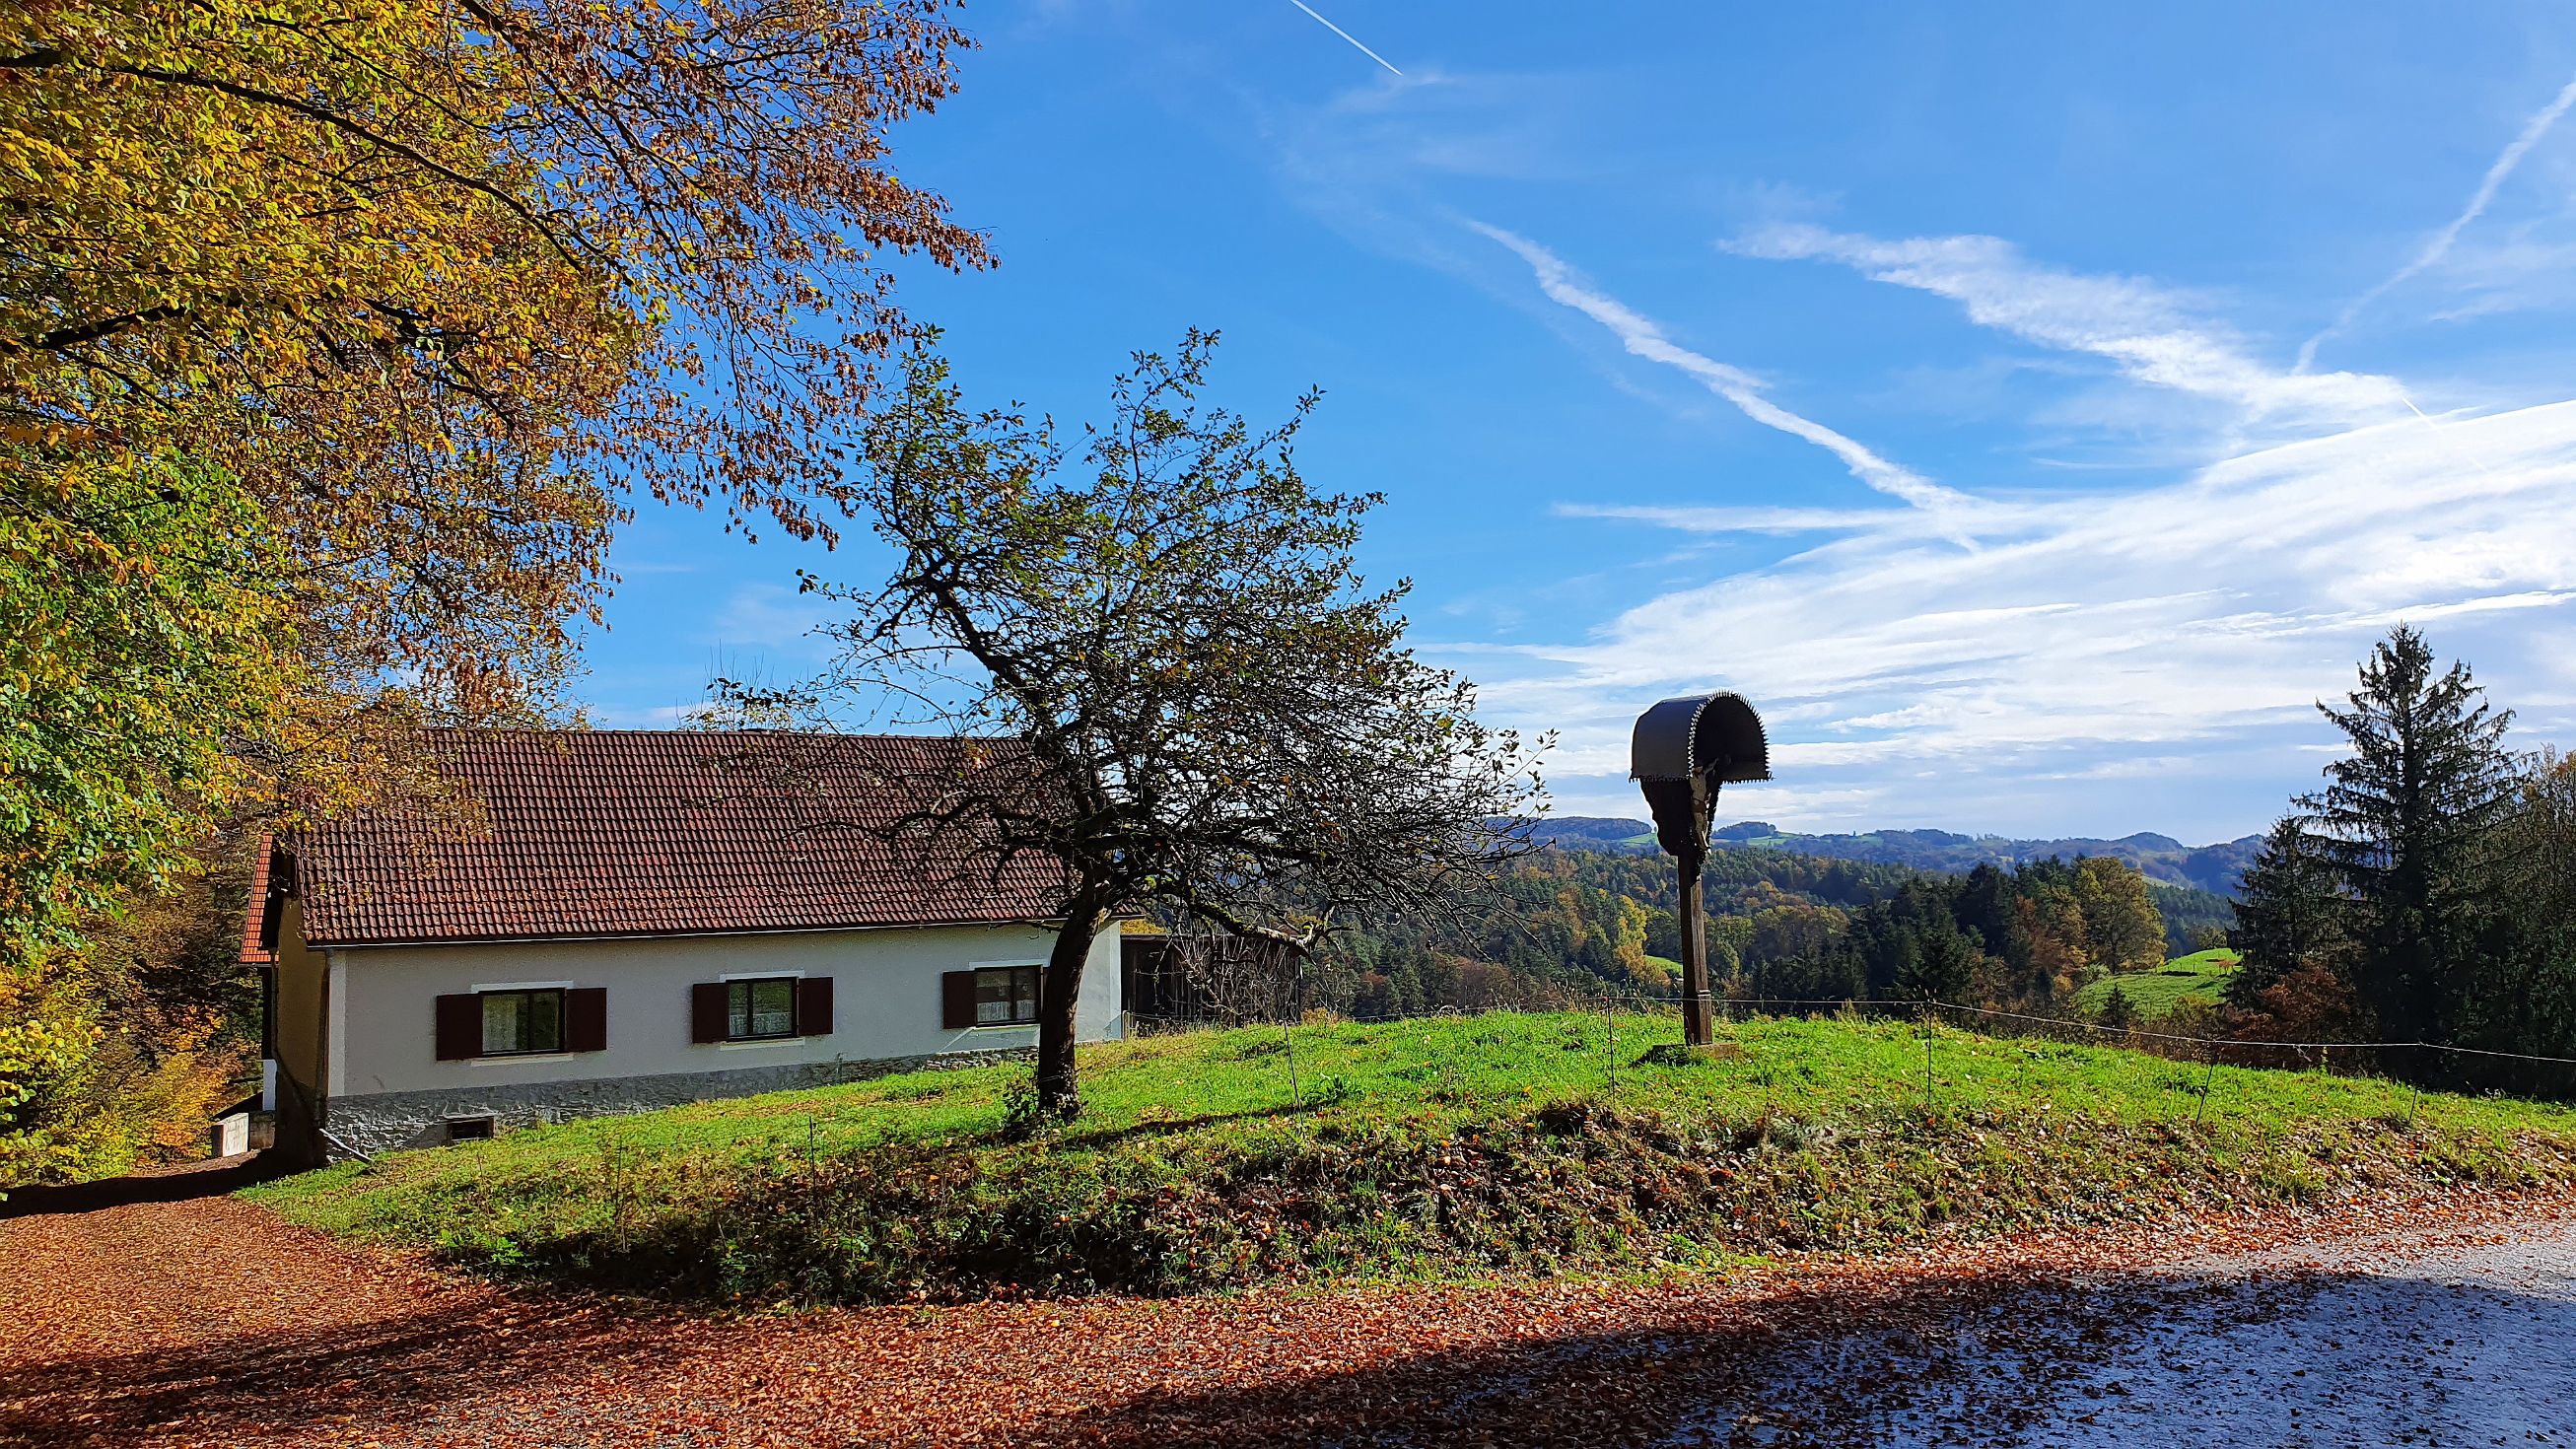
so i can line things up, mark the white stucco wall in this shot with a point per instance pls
(885, 989)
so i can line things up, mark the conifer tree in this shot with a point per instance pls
(2401, 823)
(1943, 968)
(2290, 915)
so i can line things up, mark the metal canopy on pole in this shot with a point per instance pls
(1683, 751)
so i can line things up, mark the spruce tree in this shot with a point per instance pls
(1943, 967)
(2401, 824)
(2290, 914)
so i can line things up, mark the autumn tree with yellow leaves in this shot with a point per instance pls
(337, 335)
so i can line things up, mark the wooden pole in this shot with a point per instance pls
(1699, 1008)
(1610, 1024)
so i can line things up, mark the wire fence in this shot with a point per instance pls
(1625, 1030)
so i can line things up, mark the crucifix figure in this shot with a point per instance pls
(1683, 750)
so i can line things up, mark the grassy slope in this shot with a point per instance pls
(1442, 1148)
(2202, 974)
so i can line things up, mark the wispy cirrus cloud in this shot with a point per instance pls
(2148, 332)
(2159, 624)
(2203, 615)
(2190, 620)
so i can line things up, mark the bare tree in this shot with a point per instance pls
(1220, 717)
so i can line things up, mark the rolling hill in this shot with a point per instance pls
(2161, 858)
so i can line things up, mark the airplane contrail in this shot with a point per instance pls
(2440, 243)
(1346, 35)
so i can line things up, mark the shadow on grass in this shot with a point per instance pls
(1111, 1136)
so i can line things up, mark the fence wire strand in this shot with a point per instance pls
(2360, 1060)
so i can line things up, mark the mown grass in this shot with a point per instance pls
(1441, 1148)
(2200, 976)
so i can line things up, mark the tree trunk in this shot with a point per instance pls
(1059, 989)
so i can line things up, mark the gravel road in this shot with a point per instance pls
(2442, 1334)
(2379, 1341)
(160, 1313)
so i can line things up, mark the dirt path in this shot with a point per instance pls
(207, 1321)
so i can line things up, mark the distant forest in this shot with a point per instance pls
(1573, 923)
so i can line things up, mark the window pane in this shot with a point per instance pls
(503, 1017)
(773, 1008)
(1028, 992)
(737, 1008)
(994, 996)
(544, 1022)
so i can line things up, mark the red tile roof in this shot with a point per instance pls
(255, 952)
(641, 833)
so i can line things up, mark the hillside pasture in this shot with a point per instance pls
(2200, 976)
(1511, 1146)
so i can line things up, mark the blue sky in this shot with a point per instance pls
(2030, 408)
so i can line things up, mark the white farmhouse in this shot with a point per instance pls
(615, 920)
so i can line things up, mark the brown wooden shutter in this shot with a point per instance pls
(707, 1012)
(956, 999)
(586, 1019)
(814, 1006)
(460, 1027)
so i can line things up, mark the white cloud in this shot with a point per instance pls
(2133, 640)
(2170, 622)
(2101, 635)
(2147, 331)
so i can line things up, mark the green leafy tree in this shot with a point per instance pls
(2121, 928)
(2402, 824)
(1220, 717)
(143, 636)
(2524, 999)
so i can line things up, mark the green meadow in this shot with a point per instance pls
(2201, 976)
(1444, 1148)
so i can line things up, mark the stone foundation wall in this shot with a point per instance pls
(388, 1120)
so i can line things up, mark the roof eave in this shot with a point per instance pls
(373, 943)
